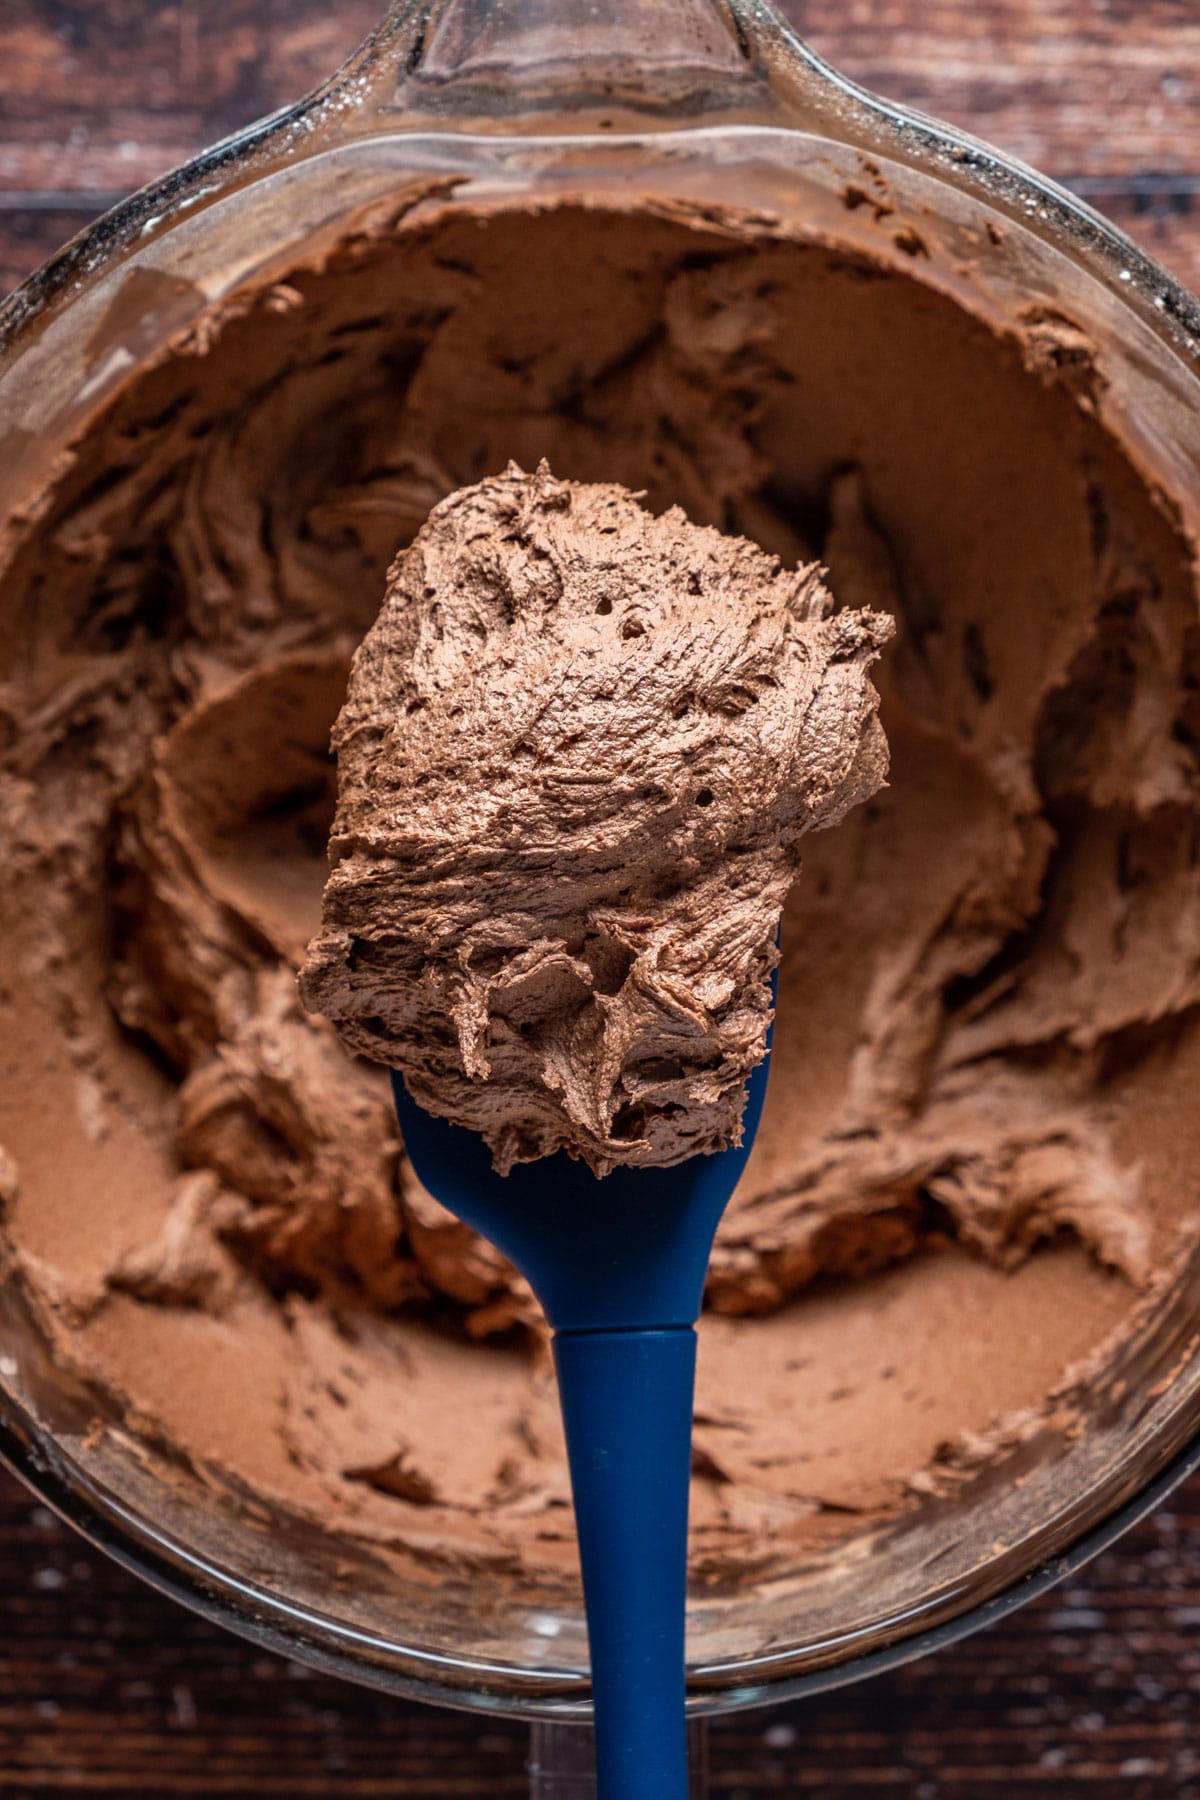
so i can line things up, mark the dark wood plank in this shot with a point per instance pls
(129, 86)
(103, 95)
(31, 233)
(1081, 87)
(105, 1689)
(1164, 218)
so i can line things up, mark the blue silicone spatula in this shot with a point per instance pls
(618, 1265)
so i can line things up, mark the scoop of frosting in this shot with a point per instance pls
(580, 748)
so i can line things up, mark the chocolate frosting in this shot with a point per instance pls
(973, 1165)
(579, 750)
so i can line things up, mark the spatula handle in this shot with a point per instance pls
(562, 1760)
(627, 1410)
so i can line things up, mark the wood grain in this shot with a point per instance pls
(107, 1690)
(103, 95)
(1085, 87)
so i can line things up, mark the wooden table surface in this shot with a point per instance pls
(106, 1689)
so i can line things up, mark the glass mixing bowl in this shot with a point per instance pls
(700, 101)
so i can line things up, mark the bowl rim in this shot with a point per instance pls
(222, 1600)
(1041, 203)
